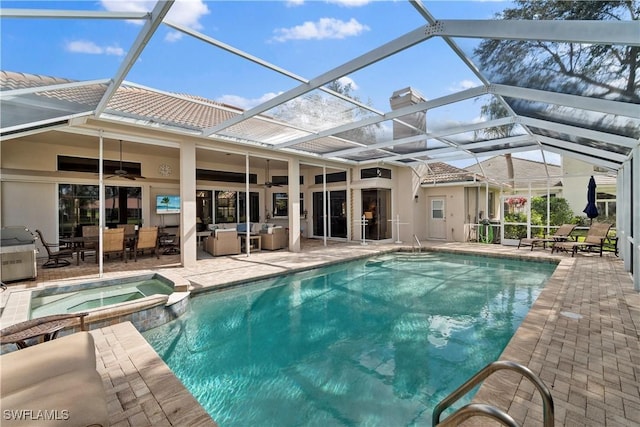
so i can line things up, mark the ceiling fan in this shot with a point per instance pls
(120, 172)
(269, 184)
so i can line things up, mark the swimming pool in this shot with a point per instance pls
(369, 342)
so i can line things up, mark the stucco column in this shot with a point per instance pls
(188, 239)
(294, 205)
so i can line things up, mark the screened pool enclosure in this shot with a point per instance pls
(550, 82)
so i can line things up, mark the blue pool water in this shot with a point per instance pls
(375, 342)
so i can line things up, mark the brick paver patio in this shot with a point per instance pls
(581, 337)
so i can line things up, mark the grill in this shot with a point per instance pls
(18, 254)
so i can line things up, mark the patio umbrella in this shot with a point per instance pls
(591, 210)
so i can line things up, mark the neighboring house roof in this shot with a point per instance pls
(439, 173)
(524, 171)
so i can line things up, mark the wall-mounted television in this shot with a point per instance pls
(167, 204)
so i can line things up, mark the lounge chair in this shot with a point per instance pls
(147, 240)
(56, 256)
(596, 236)
(562, 234)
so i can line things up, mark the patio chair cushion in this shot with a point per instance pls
(42, 361)
(58, 375)
(75, 400)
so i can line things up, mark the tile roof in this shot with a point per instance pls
(439, 173)
(524, 171)
(129, 100)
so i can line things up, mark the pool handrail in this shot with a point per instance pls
(478, 409)
(418, 242)
(547, 400)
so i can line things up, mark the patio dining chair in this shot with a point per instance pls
(57, 257)
(113, 242)
(596, 236)
(90, 234)
(561, 234)
(147, 239)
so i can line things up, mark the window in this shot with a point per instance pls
(375, 173)
(226, 207)
(284, 180)
(254, 207)
(223, 176)
(332, 177)
(280, 204)
(82, 164)
(79, 205)
(230, 207)
(437, 209)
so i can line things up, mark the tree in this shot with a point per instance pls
(606, 71)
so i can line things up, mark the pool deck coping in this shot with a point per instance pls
(590, 362)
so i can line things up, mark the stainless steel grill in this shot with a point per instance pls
(18, 254)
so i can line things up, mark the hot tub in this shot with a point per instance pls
(147, 300)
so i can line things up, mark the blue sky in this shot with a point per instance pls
(303, 37)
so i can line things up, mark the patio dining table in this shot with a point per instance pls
(78, 243)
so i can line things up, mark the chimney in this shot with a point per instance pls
(404, 98)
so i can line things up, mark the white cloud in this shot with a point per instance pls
(183, 12)
(88, 47)
(325, 28)
(294, 3)
(245, 103)
(463, 85)
(345, 81)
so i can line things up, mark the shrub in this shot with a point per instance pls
(559, 209)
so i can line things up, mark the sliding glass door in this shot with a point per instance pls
(376, 208)
(337, 214)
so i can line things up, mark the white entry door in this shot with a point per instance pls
(437, 219)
